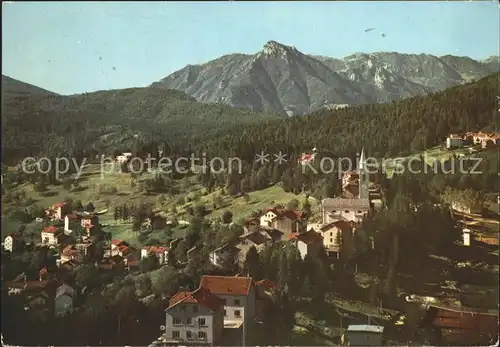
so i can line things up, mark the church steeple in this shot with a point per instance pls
(363, 176)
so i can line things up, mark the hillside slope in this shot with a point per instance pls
(14, 88)
(108, 119)
(282, 78)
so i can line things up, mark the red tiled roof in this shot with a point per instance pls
(281, 212)
(155, 249)
(200, 296)
(59, 204)
(343, 225)
(124, 249)
(116, 242)
(266, 284)
(50, 229)
(225, 285)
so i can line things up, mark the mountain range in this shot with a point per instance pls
(283, 79)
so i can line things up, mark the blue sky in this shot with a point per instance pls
(81, 47)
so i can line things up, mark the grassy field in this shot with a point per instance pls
(115, 188)
(430, 155)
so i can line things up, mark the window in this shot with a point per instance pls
(177, 321)
(224, 301)
(334, 211)
(225, 313)
(189, 321)
(331, 233)
(176, 334)
(237, 302)
(202, 322)
(237, 313)
(359, 212)
(189, 335)
(346, 211)
(195, 309)
(202, 335)
(331, 240)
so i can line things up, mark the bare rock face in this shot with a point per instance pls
(281, 78)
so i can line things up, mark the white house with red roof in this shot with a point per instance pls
(238, 294)
(161, 252)
(57, 211)
(194, 317)
(50, 235)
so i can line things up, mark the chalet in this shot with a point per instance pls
(51, 235)
(57, 211)
(64, 300)
(238, 294)
(13, 242)
(159, 251)
(336, 234)
(194, 317)
(309, 242)
(282, 219)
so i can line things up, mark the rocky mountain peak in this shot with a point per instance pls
(276, 48)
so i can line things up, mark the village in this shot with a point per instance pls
(230, 309)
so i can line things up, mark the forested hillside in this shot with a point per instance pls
(60, 125)
(109, 120)
(396, 128)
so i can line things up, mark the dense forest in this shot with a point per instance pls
(110, 120)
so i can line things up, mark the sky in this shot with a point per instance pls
(76, 47)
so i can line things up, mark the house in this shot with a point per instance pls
(258, 238)
(195, 317)
(13, 242)
(365, 335)
(160, 252)
(70, 252)
(265, 288)
(309, 242)
(90, 222)
(454, 141)
(350, 178)
(123, 158)
(115, 244)
(64, 300)
(337, 234)
(463, 326)
(238, 294)
(223, 255)
(50, 235)
(282, 219)
(57, 211)
(334, 209)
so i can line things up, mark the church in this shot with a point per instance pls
(343, 214)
